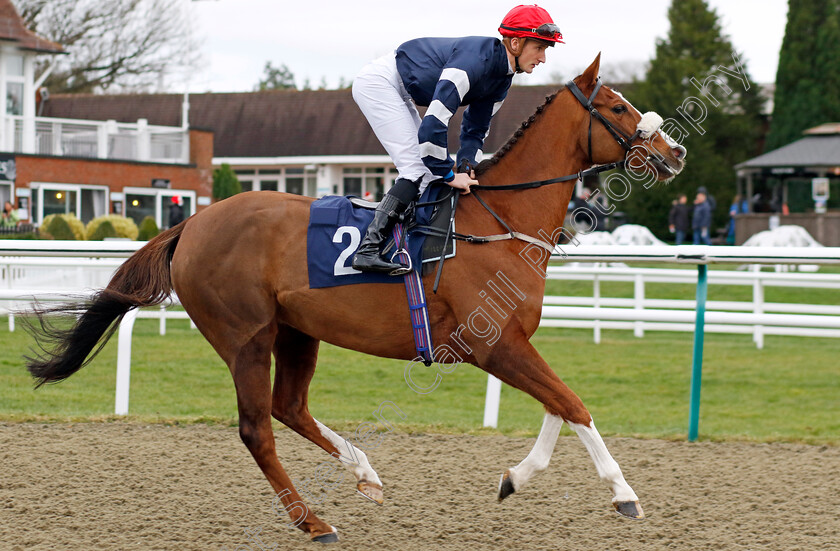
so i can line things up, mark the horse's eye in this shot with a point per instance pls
(619, 109)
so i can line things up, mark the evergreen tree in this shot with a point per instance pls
(694, 51)
(103, 230)
(59, 228)
(225, 183)
(808, 77)
(148, 229)
(276, 78)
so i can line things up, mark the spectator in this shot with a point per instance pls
(709, 198)
(176, 212)
(702, 218)
(739, 206)
(678, 218)
(10, 216)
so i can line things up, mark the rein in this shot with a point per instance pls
(623, 140)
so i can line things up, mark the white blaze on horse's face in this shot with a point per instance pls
(649, 126)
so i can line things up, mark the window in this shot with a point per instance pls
(367, 182)
(14, 98)
(5, 193)
(294, 185)
(138, 207)
(353, 185)
(14, 65)
(143, 202)
(85, 202)
(14, 83)
(301, 181)
(92, 204)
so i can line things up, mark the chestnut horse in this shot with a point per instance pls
(239, 269)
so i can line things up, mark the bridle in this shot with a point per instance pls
(623, 140)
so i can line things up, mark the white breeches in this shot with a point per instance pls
(382, 97)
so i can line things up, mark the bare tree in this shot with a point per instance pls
(126, 45)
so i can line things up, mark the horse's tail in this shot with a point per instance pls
(142, 280)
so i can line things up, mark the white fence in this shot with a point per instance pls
(639, 313)
(28, 267)
(638, 316)
(52, 270)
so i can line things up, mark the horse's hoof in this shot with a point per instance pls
(629, 509)
(505, 486)
(371, 491)
(329, 537)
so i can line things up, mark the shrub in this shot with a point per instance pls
(60, 229)
(148, 229)
(124, 227)
(103, 230)
(75, 224)
(225, 183)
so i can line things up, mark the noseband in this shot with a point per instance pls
(623, 139)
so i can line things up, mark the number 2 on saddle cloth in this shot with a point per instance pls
(334, 234)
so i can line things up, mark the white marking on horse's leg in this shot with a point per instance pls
(540, 454)
(352, 457)
(608, 469)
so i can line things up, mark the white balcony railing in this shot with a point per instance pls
(138, 141)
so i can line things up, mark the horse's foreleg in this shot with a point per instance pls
(251, 369)
(517, 363)
(624, 500)
(537, 460)
(296, 356)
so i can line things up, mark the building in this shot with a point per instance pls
(309, 142)
(795, 184)
(94, 166)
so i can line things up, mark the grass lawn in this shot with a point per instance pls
(789, 391)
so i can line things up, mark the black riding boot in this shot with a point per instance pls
(368, 257)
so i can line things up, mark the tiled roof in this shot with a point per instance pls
(12, 28)
(279, 123)
(817, 150)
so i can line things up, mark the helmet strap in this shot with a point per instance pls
(518, 68)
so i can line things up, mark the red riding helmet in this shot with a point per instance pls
(530, 22)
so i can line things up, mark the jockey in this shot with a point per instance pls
(441, 74)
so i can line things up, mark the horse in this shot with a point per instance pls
(239, 269)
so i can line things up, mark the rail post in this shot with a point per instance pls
(491, 402)
(124, 362)
(697, 364)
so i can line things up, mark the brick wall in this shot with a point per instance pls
(117, 175)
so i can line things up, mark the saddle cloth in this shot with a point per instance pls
(336, 229)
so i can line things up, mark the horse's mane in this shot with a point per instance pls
(484, 165)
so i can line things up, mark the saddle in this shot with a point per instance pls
(435, 217)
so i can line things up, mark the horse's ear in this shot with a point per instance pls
(586, 81)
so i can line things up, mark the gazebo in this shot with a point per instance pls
(780, 186)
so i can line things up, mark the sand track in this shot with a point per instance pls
(125, 486)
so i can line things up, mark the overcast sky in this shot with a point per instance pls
(333, 39)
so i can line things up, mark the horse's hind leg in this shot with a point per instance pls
(518, 364)
(296, 355)
(251, 369)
